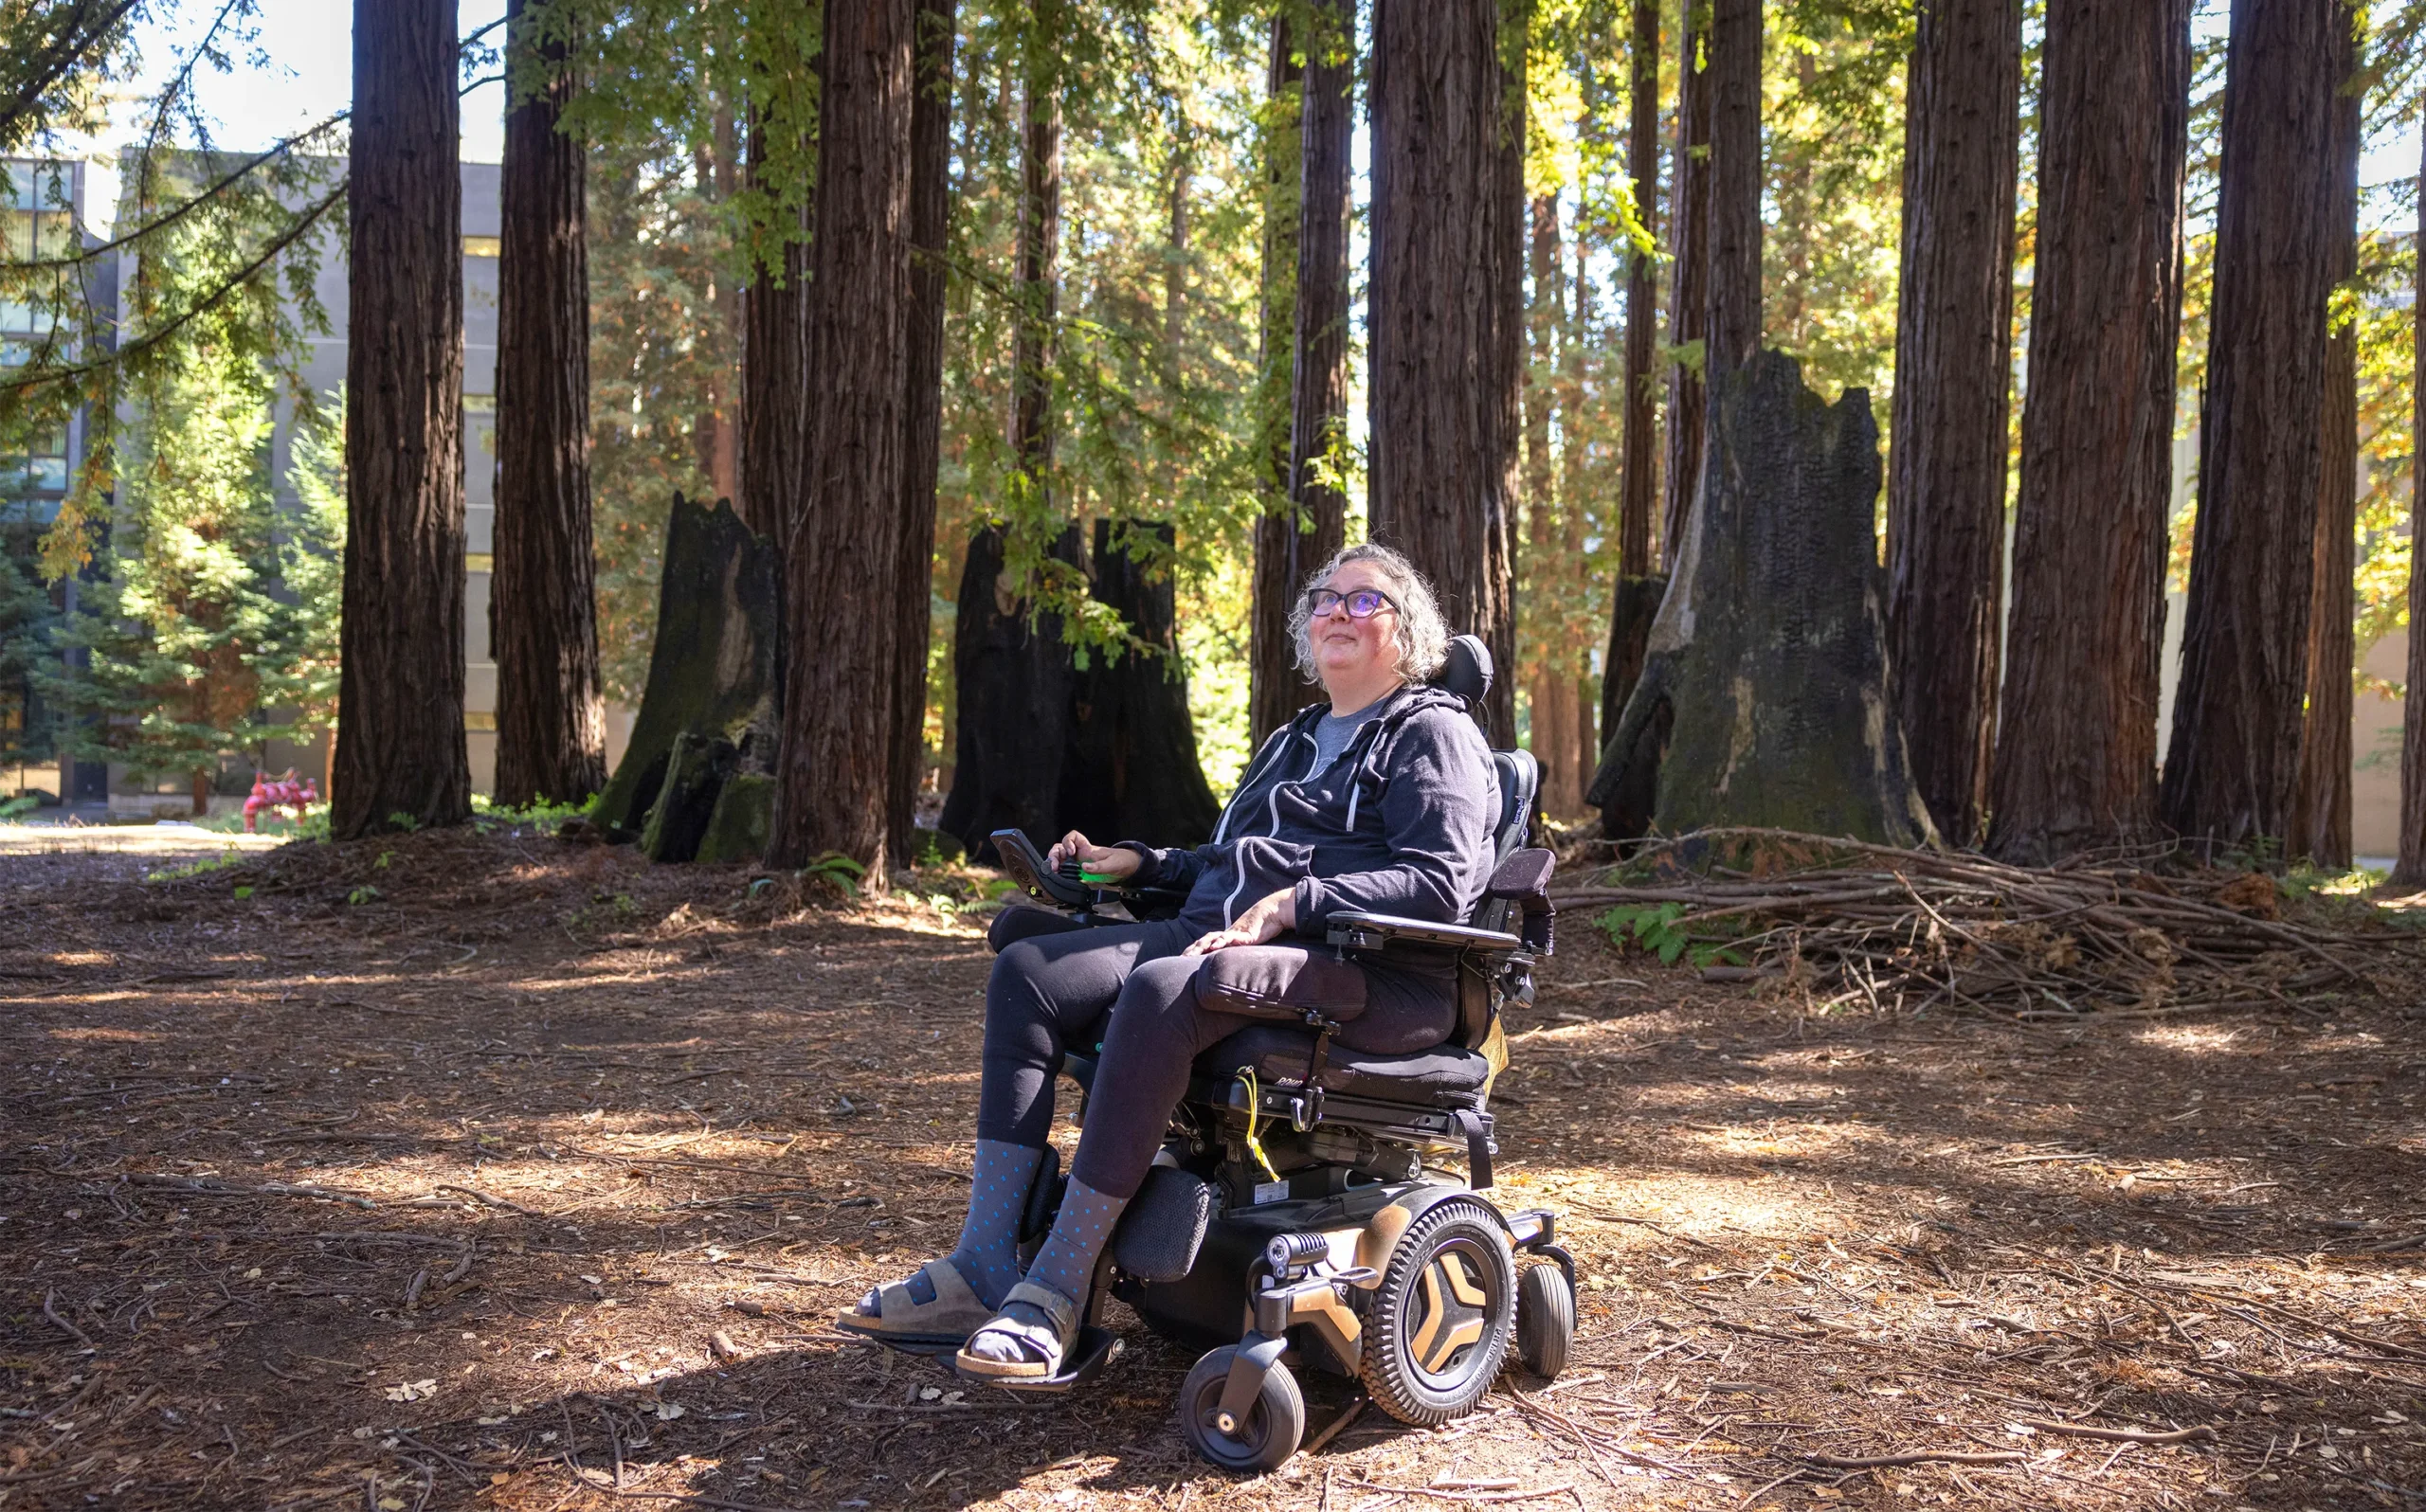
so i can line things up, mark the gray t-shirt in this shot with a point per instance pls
(1334, 733)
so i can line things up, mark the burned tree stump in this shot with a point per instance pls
(1766, 660)
(1131, 771)
(696, 772)
(1014, 677)
(713, 667)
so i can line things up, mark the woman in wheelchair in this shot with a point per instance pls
(1382, 801)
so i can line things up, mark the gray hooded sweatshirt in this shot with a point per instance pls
(1401, 824)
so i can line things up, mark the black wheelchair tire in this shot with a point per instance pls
(1545, 1320)
(1275, 1425)
(1417, 1289)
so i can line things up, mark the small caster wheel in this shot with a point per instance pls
(1545, 1320)
(1275, 1424)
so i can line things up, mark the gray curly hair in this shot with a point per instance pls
(1422, 633)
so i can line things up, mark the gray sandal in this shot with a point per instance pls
(950, 1319)
(1048, 1342)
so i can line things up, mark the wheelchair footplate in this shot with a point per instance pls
(1090, 1353)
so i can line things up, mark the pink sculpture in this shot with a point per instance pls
(275, 793)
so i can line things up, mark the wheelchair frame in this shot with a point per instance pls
(1314, 1262)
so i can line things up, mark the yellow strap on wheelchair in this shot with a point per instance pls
(1255, 1145)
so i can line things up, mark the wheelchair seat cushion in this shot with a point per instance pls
(1443, 1077)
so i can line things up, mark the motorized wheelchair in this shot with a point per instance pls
(1295, 1210)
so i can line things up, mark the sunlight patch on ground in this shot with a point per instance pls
(100, 1033)
(132, 840)
(2193, 1039)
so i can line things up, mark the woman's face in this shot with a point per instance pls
(1349, 649)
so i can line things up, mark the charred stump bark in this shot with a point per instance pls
(2232, 761)
(400, 745)
(1132, 768)
(1016, 680)
(922, 412)
(712, 670)
(550, 716)
(1768, 654)
(2076, 728)
(1945, 486)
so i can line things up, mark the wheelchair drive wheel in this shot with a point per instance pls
(1545, 1320)
(1442, 1320)
(1262, 1438)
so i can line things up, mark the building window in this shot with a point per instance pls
(39, 223)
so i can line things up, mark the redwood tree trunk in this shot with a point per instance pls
(400, 698)
(1688, 286)
(1290, 544)
(2076, 760)
(1549, 691)
(922, 412)
(2234, 759)
(2410, 870)
(2321, 802)
(1446, 332)
(550, 717)
(774, 366)
(1734, 185)
(835, 764)
(1639, 490)
(1945, 476)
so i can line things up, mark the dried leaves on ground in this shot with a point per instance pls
(530, 1179)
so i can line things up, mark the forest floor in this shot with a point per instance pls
(489, 1170)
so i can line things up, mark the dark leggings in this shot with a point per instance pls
(1049, 992)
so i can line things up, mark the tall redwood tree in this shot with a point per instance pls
(2409, 871)
(1012, 670)
(2076, 759)
(2321, 802)
(1731, 73)
(922, 408)
(836, 765)
(1638, 485)
(2230, 765)
(1292, 543)
(400, 752)
(1688, 283)
(774, 328)
(1946, 478)
(1446, 317)
(550, 717)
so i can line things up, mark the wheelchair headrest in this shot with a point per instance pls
(1467, 671)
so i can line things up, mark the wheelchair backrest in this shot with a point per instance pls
(1467, 671)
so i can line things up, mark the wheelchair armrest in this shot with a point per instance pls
(1025, 867)
(1524, 879)
(1376, 931)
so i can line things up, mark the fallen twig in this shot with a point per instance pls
(1561, 1490)
(2201, 1435)
(50, 1310)
(1881, 1461)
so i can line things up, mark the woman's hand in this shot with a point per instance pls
(1267, 921)
(1105, 861)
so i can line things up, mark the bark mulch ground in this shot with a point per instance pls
(486, 1171)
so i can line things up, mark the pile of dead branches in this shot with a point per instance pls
(1909, 931)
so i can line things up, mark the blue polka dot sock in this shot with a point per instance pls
(987, 1256)
(1066, 1263)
